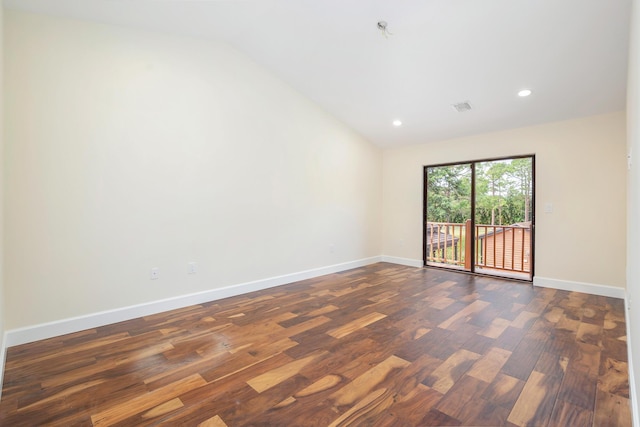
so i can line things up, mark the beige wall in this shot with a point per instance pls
(633, 197)
(580, 169)
(127, 150)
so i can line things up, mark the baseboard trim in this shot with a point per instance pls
(587, 288)
(403, 261)
(3, 358)
(75, 324)
(633, 392)
(633, 395)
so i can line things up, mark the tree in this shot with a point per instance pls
(503, 192)
(521, 172)
(491, 194)
(448, 193)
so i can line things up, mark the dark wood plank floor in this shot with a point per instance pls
(383, 345)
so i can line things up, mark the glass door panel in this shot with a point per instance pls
(503, 217)
(448, 216)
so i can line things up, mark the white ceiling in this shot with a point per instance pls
(571, 53)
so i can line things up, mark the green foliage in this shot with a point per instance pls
(449, 193)
(503, 192)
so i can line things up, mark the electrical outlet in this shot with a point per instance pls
(332, 248)
(155, 273)
(192, 267)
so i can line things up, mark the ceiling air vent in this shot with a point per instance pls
(462, 107)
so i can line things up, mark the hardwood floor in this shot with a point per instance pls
(383, 345)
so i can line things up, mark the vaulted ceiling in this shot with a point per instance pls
(572, 55)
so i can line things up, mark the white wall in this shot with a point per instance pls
(633, 197)
(2, 307)
(580, 169)
(127, 150)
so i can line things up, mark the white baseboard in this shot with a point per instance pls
(633, 392)
(75, 324)
(633, 396)
(3, 357)
(587, 288)
(403, 261)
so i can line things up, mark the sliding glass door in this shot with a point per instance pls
(479, 216)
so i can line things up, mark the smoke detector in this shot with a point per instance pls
(462, 107)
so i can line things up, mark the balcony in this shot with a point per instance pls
(503, 250)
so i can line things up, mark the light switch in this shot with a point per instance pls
(548, 207)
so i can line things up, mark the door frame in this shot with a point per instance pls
(473, 163)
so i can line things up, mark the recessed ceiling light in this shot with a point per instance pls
(397, 123)
(524, 92)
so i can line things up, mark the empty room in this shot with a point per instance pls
(319, 213)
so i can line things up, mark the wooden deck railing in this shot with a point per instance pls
(497, 247)
(503, 247)
(447, 243)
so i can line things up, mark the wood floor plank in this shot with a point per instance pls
(615, 378)
(461, 401)
(524, 357)
(371, 405)
(589, 333)
(219, 399)
(383, 345)
(437, 418)
(578, 389)
(552, 364)
(367, 382)
(472, 308)
(146, 401)
(62, 395)
(586, 358)
(366, 320)
(276, 376)
(496, 328)
(345, 360)
(566, 414)
(524, 319)
(489, 365)
(536, 401)
(504, 391)
(485, 413)
(245, 367)
(325, 383)
(611, 410)
(213, 422)
(163, 409)
(445, 376)
(415, 404)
